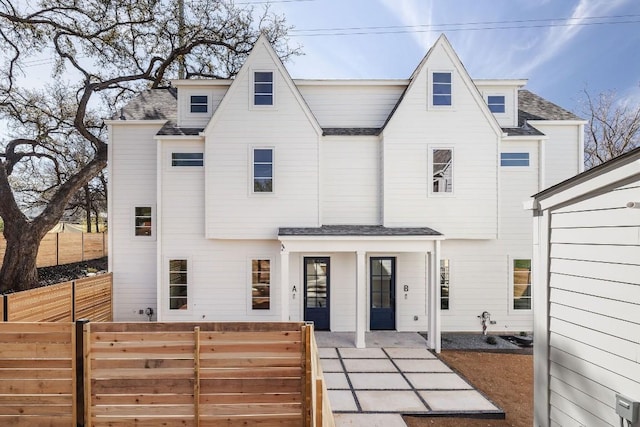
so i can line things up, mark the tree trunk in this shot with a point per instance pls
(87, 206)
(19, 270)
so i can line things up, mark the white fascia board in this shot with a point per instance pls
(135, 122)
(591, 185)
(530, 205)
(351, 82)
(534, 138)
(361, 244)
(201, 82)
(557, 122)
(199, 137)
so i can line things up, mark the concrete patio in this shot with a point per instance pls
(394, 375)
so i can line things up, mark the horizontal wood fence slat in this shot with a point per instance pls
(66, 248)
(151, 374)
(88, 298)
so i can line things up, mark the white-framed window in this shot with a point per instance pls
(187, 159)
(441, 89)
(497, 104)
(262, 170)
(520, 272)
(514, 159)
(263, 88)
(143, 221)
(199, 103)
(261, 284)
(445, 296)
(441, 170)
(178, 284)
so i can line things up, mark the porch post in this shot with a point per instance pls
(433, 258)
(284, 285)
(361, 299)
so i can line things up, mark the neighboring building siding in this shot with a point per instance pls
(350, 176)
(231, 208)
(351, 106)
(132, 179)
(594, 312)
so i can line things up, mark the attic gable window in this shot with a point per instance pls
(199, 103)
(263, 88)
(496, 103)
(442, 89)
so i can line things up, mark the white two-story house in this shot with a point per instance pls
(356, 204)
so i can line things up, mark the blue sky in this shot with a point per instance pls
(547, 41)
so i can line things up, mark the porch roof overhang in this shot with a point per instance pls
(352, 238)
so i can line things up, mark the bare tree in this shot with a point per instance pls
(613, 129)
(103, 53)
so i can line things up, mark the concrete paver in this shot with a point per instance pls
(457, 400)
(379, 381)
(422, 365)
(369, 365)
(400, 401)
(442, 381)
(369, 420)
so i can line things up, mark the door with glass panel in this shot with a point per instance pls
(383, 293)
(316, 291)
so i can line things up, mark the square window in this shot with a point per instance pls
(442, 170)
(178, 284)
(187, 159)
(263, 170)
(522, 284)
(263, 88)
(514, 159)
(199, 103)
(496, 103)
(260, 284)
(442, 89)
(143, 221)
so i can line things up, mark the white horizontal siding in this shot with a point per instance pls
(594, 307)
(562, 154)
(186, 118)
(510, 117)
(345, 106)
(350, 176)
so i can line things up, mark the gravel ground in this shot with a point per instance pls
(462, 341)
(66, 272)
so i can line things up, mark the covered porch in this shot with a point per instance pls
(358, 278)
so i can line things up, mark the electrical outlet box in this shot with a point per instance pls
(627, 408)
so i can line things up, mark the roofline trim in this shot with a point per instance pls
(557, 122)
(136, 122)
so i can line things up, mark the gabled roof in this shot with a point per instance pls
(534, 107)
(172, 129)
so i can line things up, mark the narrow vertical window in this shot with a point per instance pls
(178, 284)
(496, 103)
(263, 170)
(442, 167)
(199, 104)
(260, 284)
(444, 284)
(263, 88)
(143, 221)
(442, 89)
(522, 284)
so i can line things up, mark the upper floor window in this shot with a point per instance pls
(522, 284)
(260, 284)
(143, 221)
(187, 159)
(263, 88)
(263, 170)
(199, 103)
(496, 103)
(442, 89)
(442, 170)
(444, 284)
(178, 284)
(514, 159)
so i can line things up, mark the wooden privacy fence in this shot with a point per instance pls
(67, 248)
(161, 374)
(88, 298)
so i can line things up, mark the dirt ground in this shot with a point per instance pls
(507, 379)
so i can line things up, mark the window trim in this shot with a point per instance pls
(189, 284)
(134, 216)
(430, 170)
(272, 296)
(516, 167)
(252, 151)
(252, 91)
(448, 279)
(499, 114)
(207, 104)
(511, 282)
(430, 91)
(187, 166)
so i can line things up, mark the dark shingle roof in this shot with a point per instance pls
(357, 230)
(534, 107)
(351, 131)
(153, 104)
(522, 131)
(171, 128)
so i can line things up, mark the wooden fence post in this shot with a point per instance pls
(5, 308)
(79, 355)
(196, 380)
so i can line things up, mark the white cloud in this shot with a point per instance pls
(414, 13)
